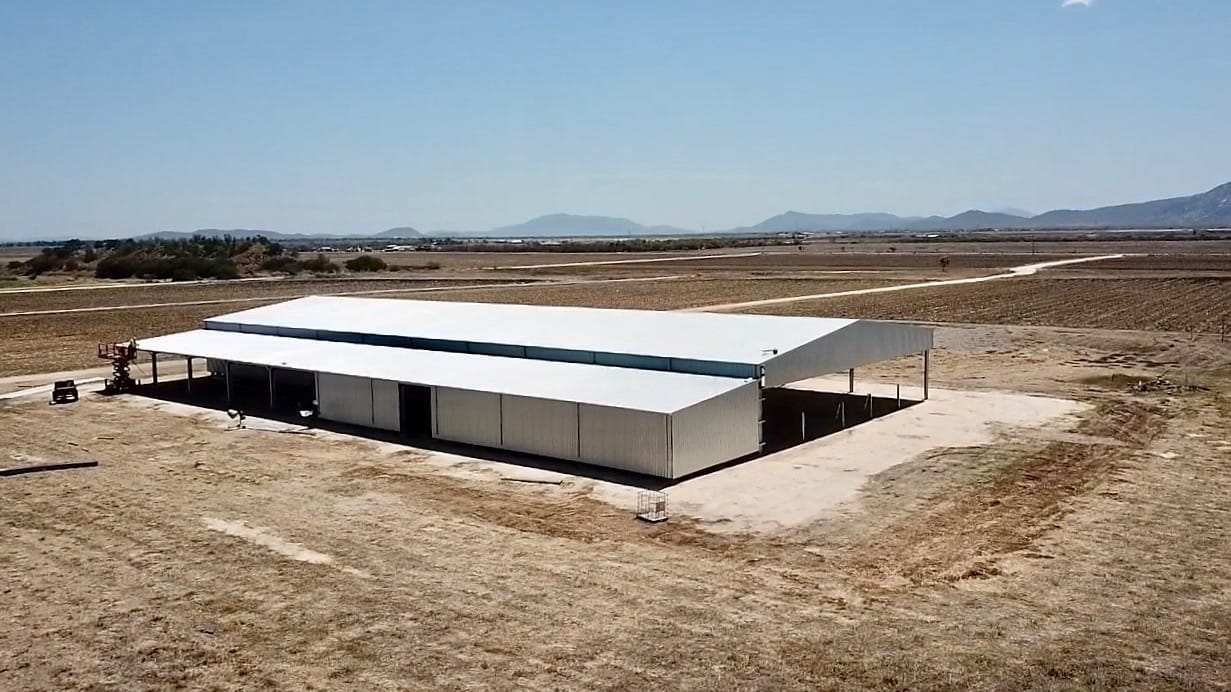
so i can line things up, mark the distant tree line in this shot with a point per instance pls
(186, 259)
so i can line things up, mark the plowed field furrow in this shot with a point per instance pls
(1180, 305)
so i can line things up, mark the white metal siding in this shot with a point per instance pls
(386, 405)
(716, 431)
(625, 439)
(463, 415)
(345, 399)
(540, 426)
(861, 343)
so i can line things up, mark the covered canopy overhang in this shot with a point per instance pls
(642, 390)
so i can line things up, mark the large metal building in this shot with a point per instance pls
(665, 394)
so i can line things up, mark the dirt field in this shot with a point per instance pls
(662, 295)
(1091, 553)
(147, 294)
(18, 254)
(452, 261)
(1180, 305)
(1093, 558)
(779, 260)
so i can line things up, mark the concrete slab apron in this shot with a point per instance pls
(800, 485)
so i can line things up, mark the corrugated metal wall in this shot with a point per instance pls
(625, 439)
(716, 431)
(345, 399)
(465, 416)
(386, 405)
(715, 368)
(622, 360)
(565, 355)
(540, 426)
(859, 344)
(497, 350)
(625, 360)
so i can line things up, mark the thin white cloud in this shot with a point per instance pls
(1071, 3)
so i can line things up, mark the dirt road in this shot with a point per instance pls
(1024, 270)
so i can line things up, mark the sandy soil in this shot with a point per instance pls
(1091, 555)
(1075, 538)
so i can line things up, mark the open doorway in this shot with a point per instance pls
(416, 410)
(795, 416)
(295, 390)
(249, 387)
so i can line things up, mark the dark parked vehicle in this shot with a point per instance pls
(64, 391)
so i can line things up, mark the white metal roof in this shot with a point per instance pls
(747, 339)
(644, 390)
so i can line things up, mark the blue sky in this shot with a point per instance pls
(322, 117)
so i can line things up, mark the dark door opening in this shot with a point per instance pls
(294, 390)
(249, 387)
(795, 416)
(416, 409)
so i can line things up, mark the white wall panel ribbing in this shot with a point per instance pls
(861, 343)
(386, 405)
(462, 415)
(540, 426)
(716, 431)
(345, 399)
(620, 438)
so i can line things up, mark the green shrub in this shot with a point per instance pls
(321, 265)
(366, 263)
(43, 263)
(284, 264)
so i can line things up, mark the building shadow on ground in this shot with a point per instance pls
(791, 417)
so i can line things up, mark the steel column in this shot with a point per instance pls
(927, 357)
(851, 388)
(189, 380)
(154, 366)
(226, 369)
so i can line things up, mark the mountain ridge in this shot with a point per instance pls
(1210, 208)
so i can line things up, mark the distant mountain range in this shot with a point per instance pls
(1211, 208)
(1208, 209)
(557, 225)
